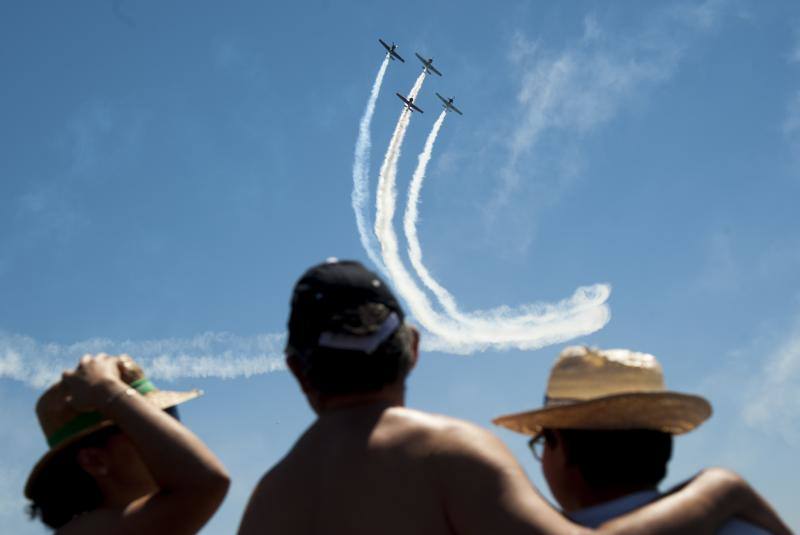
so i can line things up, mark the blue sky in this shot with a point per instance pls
(170, 169)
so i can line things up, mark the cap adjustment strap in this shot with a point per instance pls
(366, 344)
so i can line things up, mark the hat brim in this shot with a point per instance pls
(163, 399)
(670, 412)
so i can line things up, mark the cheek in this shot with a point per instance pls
(549, 467)
(126, 457)
(554, 472)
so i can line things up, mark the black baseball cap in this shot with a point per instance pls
(341, 305)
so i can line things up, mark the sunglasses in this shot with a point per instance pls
(541, 439)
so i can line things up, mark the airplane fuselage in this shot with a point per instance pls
(447, 104)
(409, 102)
(391, 50)
(427, 65)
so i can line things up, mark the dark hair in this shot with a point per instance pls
(635, 458)
(64, 489)
(339, 372)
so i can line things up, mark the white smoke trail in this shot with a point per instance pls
(410, 224)
(384, 229)
(222, 355)
(417, 87)
(532, 326)
(385, 207)
(360, 193)
(493, 319)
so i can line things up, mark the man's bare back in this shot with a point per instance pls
(378, 469)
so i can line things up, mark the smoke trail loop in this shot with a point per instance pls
(500, 317)
(535, 326)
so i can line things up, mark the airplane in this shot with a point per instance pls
(409, 103)
(448, 104)
(390, 49)
(428, 65)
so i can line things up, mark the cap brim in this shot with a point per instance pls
(669, 412)
(163, 399)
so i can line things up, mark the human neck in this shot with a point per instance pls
(586, 496)
(389, 396)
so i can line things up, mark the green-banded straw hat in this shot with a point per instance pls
(63, 426)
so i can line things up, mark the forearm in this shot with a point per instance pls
(702, 506)
(176, 458)
(692, 510)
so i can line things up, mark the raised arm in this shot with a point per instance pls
(192, 482)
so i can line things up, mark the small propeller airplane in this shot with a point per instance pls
(409, 103)
(428, 65)
(448, 104)
(392, 54)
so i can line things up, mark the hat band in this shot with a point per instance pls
(365, 344)
(86, 420)
(558, 402)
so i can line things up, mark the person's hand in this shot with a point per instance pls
(93, 382)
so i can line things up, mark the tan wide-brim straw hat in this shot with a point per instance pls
(609, 389)
(63, 426)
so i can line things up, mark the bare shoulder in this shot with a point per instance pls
(430, 422)
(274, 483)
(445, 440)
(447, 433)
(272, 500)
(481, 485)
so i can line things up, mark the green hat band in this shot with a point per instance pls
(87, 420)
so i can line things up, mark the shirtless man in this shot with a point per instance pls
(369, 465)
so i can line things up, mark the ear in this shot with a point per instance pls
(296, 368)
(414, 347)
(94, 461)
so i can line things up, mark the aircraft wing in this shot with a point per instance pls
(390, 50)
(433, 69)
(409, 104)
(448, 104)
(421, 58)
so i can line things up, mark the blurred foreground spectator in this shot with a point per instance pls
(120, 461)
